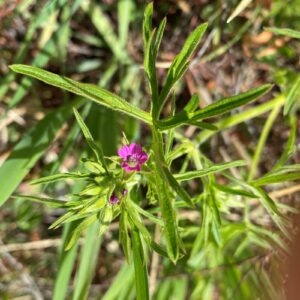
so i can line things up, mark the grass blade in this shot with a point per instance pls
(105, 27)
(121, 283)
(28, 151)
(290, 145)
(284, 31)
(140, 267)
(125, 8)
(66, 262)
(292, 96)
(240, 7)
(88, 262)
(262, 141)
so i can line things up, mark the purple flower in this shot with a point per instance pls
(113, 199)
(133, 157)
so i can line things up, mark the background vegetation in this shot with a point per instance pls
(100, 42)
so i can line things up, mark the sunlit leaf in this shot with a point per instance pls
(89, 91)
(210, 170)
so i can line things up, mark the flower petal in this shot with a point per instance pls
(113, 199)
(127, 169)
(143, 157)
(135, 148)
(124, 152)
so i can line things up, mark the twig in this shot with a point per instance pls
(285, 192)
(30, 245)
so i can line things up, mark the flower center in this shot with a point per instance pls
(132, 160)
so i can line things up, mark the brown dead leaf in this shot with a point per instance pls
(266, 52)
(261, 39)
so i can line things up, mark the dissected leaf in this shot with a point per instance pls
(48, 201)
(220, 107)
(89, 91)
(181, 62)
(57, 177)
(79, 230)
(210, 170)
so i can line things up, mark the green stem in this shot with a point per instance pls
(165, 199)
(262, 141)
(140, 266)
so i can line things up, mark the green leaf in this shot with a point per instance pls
(165, 199)
(89, 91)
(276, 178)
(136, 220)
(158, 38)
(147, 24)
(79, 229)
(151, 47)
(290, 145)
(215, 109)
(124, 235)
(106, 216)
(158, 249)
(90, 140)
(203, 125)
(262, 141)
(271, 208)
(147, 214)
(284, 31)
(193, 104)
(181, 62)
(150, 70)
(239, 118)
(210, 170)
(215, 210)
(140, 267)
(48, 201)
(233, 191)
(292, 96)
(57, 177)
(176, 186)
(94, 167)
(66, 218)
